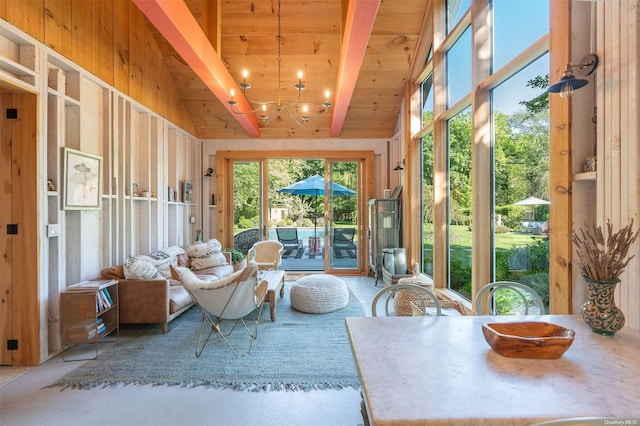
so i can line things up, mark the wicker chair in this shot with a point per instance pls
(266, 254)
(416, 302)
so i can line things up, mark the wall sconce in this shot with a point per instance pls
(568, 83)
(209, 172)
(399, 167)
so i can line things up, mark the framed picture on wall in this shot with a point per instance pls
(188, 192)
(82, 180)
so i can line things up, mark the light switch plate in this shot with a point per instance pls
(192, 219)
(53, 230)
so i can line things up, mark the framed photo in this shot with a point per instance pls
(82, 180)
(188, 192)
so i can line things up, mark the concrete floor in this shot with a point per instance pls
(25, 401)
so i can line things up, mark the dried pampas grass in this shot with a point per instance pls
(600, 258)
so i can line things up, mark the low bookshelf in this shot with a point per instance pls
(89, 313)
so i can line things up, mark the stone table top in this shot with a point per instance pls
(441, 371)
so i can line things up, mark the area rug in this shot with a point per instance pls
(296, 352)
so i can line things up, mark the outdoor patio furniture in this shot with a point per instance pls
(266, 254)
(343, 240)
(526, 298)
(288, 237)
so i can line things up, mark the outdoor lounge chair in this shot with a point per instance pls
(343, 240)
(230, 298)
(288, 237)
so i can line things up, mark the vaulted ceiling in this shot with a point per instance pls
(365, 104)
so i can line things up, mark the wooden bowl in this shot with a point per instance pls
(528, 339)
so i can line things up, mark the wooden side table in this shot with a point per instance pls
(89, 313)
(275, 284)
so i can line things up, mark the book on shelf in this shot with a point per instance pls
(87, 329)
(107, 295)
(93, 285)
(102, 301)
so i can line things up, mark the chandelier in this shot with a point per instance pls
(266, 111)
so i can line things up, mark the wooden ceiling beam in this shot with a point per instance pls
(361, 15)
(179, 27)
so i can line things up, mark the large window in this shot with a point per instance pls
(517, 24)
(455, 11)
(459, 197)
(426, 89)
(459, 69)
(520, 171)
(427, 203)
(494, 143)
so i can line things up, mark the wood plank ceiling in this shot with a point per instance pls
(311, 42)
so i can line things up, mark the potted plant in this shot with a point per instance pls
(238, 259)
(601, 260)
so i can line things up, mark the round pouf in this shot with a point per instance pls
(319, 294)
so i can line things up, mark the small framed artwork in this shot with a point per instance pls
(188, 192)
(82, 180)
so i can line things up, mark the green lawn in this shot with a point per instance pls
(460, 244)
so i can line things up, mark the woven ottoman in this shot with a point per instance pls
(319, 294)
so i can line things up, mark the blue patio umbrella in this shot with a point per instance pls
(314, 186)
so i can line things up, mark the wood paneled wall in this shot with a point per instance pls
(109, 38)
(618, 138)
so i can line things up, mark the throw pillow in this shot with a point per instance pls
(160, 260)
(214, 245)
(138, 269)
(198, 250)
(216, 259)
(113, 273)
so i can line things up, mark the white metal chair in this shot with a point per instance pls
(526, 298)
(230, 298)
(420, 299)
(266, 254)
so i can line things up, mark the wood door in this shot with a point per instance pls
(19, 249)
(5, 240)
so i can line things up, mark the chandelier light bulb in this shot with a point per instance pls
(270, 109)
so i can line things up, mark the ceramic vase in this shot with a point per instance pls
(600, 312)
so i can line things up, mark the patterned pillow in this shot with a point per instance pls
(138, 269)
(198, 250)
(208, 262)
(160, 260)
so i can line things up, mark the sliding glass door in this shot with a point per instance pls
(310, 205)
(343, 218)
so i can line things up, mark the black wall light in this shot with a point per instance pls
(568, 82)
(209, 172)
(399, 167)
